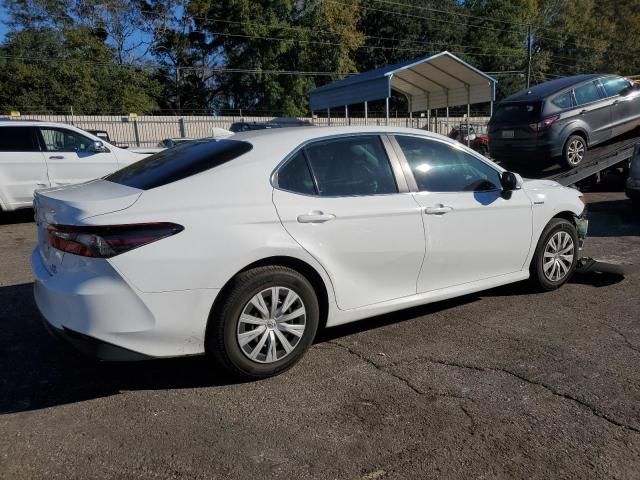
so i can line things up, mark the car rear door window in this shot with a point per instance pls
(614, 85)
(587, 93)
(352, 166)
(18, 139)
(440, 167)
(563, 101)
(295, 176)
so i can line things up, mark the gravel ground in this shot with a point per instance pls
(504, 383)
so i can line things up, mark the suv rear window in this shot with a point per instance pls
(178, 162)
(517, 112)
(17, 139)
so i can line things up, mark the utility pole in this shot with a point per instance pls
(529, 48)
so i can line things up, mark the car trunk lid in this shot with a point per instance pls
(70, 205)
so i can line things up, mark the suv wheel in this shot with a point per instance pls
(556, 255)
(574, 151)
(265, 324)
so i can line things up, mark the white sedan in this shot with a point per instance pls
(243, 247)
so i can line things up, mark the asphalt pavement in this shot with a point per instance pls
(505, 383)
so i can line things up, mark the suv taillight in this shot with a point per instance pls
(104, 241)
(538, 127)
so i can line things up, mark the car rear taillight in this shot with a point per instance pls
(104, 241)
(546, 123)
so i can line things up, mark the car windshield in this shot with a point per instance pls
(178, 162)
(517, 112)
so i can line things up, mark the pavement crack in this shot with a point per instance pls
(472, 426)
(593, 409)
(631, 345)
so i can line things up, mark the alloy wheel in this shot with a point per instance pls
(271, 324)
(575, 151)
(558, 256)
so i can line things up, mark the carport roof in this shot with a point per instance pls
(431, 82)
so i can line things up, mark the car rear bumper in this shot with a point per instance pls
(523, 150)
(98, 312)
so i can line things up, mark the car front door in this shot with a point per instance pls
(345, 201)
(594, 111)
(22, 166)
(71, 158)
(625, 110)
(473, 230)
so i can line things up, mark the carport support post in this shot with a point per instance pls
(447, 127)
(468, 114)
(410, 112)
(328, 117)
(366, 113)
(491, 108)
(387, 110)
(346, 115)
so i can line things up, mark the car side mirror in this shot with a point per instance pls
(98, 147)
(510, 181)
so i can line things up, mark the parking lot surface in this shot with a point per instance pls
(504, 383)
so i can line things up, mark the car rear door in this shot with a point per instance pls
(22, 166)
(473, 230)
(70, 157)
(594, 110)
(345, 201)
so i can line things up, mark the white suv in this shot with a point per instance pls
(36, 155)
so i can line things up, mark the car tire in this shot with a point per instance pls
(575, 148)
(483, 150)
(272, 344)
(550, 268)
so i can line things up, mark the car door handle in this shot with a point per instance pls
(616, 102)
(56, 157)
(437, 210)
(315, 217)
(582, 112)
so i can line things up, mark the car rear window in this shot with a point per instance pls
(179, 162)
(517, 112)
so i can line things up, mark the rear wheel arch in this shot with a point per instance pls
(300, 266)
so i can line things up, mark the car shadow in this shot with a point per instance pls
(613, 218)
(38, 371)
(24, 215)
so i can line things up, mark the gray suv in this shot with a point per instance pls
(560, 119)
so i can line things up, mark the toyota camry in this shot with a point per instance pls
(243, 247)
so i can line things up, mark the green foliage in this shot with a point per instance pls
(107, 56)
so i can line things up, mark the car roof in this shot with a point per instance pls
(303, 134)
(543, 90)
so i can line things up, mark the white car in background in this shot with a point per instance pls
(243, 247)
(36, 155)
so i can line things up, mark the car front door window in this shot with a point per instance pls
(614, 85)
(440, 167)
(61, 140)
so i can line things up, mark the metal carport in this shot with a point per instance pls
(439, 81)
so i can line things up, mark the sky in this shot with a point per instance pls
(3, 27)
